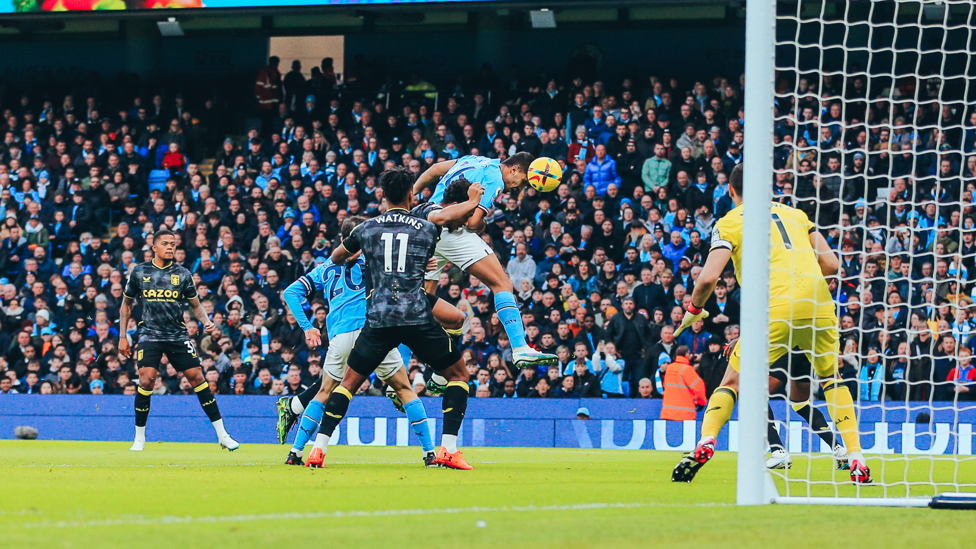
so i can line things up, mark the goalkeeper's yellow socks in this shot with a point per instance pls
(841, 407)
(718, 412)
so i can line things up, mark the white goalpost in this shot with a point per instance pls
(752, 484)
(862, 115)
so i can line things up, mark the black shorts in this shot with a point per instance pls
(181, 354)
(793, 366)
(429, 342)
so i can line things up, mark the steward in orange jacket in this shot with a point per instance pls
(683, 388)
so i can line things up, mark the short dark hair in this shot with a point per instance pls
(682, 350)
(457, 191)
(396, 184)
(735, 180)
(349, 224)
(520, 159)
(161, 233)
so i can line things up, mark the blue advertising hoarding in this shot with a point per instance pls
(886, 428)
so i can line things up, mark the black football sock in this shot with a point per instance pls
(772, 432)
(455, 403)
(307, 395)
(335, 409)
(817, 422)
(142, 406)
(207, 401)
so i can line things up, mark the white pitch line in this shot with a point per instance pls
(196, 465)
(139, 520)
(243, 464)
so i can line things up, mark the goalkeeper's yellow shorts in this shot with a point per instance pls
(817, 336)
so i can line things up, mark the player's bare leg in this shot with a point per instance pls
(147, 381)
(448, 316)
(489, 271)
(309, 425)
(451, 319)
(209, 404)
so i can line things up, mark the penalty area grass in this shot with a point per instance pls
(98, 494)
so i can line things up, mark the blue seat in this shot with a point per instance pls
(157, 180)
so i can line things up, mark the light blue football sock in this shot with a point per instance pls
(508, 312)
(308, 426)
(417, 416)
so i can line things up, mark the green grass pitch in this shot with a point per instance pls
(93, 495)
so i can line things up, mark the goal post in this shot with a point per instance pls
(856, 111)
(752, 486)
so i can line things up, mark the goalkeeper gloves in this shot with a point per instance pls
(692, 315)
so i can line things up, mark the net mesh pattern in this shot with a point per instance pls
(876, 142)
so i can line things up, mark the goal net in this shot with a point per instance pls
(874, 138)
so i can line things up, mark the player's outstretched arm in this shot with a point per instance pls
(293, 295)
(718, 258)
(829, 264)
(459, 211)
(432, 175)
(125, 312)
(201, 315)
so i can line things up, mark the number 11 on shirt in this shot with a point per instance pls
(387, 239)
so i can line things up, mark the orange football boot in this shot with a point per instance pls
(315, 459)
(446, 459)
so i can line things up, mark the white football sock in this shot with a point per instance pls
(322, 443)
(219, 427)
(139, 443)
(439, 380)
(449, 442)
(296, 406)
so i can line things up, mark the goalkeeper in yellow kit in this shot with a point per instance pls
(801, 315)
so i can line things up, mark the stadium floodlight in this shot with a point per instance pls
(899, 75)
(543, 19)
(170, 27)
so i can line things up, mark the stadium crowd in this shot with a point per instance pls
(603, 266)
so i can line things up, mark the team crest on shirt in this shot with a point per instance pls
(175, 279)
